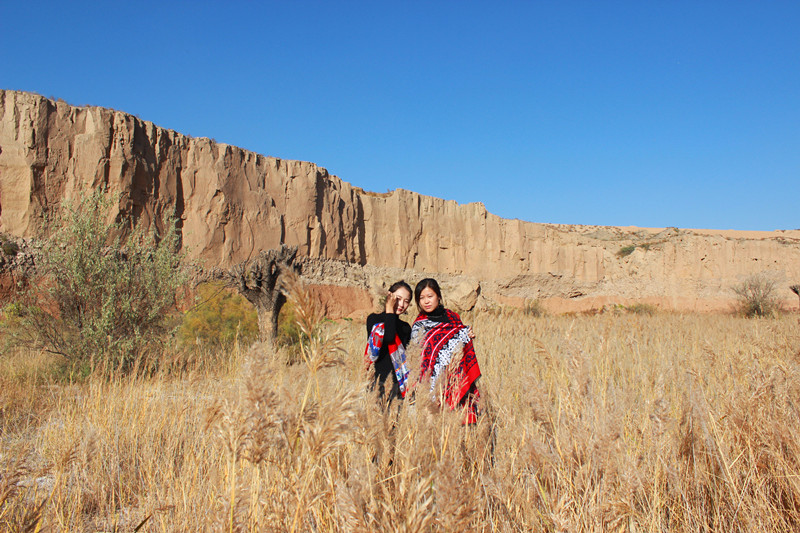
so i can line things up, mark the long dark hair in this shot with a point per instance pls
(427, 283)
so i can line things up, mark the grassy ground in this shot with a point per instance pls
(616, 422)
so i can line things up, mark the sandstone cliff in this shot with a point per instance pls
(232, 203)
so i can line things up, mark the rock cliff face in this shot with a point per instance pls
(232, 203)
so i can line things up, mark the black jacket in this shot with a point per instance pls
(392, 325)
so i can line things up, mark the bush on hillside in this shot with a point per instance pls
(641, 309)
(100, 299)
(533, 308)
(756, 296)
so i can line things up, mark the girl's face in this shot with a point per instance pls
(428, 300)
(403, 298)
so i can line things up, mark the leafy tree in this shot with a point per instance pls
(101, 297)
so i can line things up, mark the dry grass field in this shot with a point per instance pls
(612, 422)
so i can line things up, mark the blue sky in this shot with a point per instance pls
(646, 113)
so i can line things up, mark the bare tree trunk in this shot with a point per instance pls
(268, 319)
(265, 321)
(259, 281)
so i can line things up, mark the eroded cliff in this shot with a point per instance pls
(232, 203)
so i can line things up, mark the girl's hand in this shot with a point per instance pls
(471, 333)
(392, 302)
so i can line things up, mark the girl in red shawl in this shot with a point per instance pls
(441, 334)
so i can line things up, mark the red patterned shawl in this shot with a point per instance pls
(440, 340)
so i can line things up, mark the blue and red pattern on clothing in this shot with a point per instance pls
(396, 352)
(440, 340)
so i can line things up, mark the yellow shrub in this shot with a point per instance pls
(219, 316)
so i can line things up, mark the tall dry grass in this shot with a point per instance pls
(599, 423)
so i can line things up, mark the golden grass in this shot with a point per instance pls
(598, 423)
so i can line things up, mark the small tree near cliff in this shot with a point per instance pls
(756, 296)
(100, 297)
(259, 281)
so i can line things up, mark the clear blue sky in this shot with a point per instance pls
(647, 113)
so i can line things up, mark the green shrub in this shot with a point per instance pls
(99, 299)
(756, 296)
(626, 250)
(14, 310)
(533, 308)
(641, 309)
(220, 318)
(10, 248)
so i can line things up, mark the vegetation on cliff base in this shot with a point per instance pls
(219, 318)
(100, 299)
(757, 296)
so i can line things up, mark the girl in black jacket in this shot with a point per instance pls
(387, 337)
